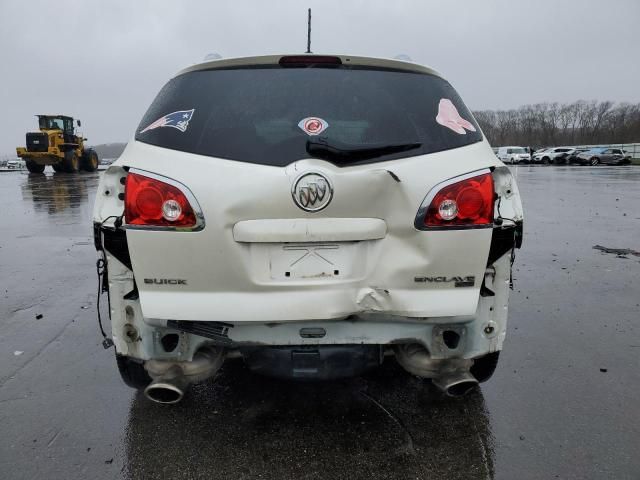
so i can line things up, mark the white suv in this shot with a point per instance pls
(548, 155)
(312, 215)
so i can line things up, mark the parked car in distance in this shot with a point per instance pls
(607, 156)
(627, 157)
(572, 156)
(17, 164)
(549, 155)
(254, 216)
(514, 155)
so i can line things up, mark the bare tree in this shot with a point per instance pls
(576, 123)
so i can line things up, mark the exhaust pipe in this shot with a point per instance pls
(168, 388)
(171, 378)
(451, 375)
(456, 384)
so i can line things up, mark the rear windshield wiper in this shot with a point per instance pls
(344, 152)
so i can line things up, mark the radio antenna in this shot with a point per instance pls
(309, 32)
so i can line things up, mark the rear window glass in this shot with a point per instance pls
(258, 115)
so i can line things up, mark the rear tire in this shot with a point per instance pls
(33, 167)
(133, 373)
(90, 161)
(594, 161)
(484, 367)
(70, 163)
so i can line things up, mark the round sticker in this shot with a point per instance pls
(313, 125)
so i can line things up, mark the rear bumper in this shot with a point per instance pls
(307, 303)
(328, 350)
(476, 336)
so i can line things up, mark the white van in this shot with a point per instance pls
(514, 154)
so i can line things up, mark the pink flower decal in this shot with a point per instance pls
(449, 117)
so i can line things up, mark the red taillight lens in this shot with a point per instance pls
(468, 202)
(154, 203)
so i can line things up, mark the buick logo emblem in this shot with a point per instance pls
(312, 192)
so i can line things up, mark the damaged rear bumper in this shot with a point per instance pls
(445, 337)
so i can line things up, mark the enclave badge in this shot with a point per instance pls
(312, 191)
(468, 281)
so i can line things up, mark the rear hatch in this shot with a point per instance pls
(309, 178)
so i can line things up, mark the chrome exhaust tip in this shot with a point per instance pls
(164, 392)
(172, 378)
(451, 375)
(456, 385)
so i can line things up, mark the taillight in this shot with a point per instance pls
(152, 202)
(466, 203)
(309, 60)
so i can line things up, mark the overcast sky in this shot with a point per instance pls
(104, 61)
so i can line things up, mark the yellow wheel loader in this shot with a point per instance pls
(57, 144)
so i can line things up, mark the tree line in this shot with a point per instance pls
(552, 124)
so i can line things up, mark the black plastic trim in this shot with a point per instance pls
(504, 239)
(115, 242)
(311, 362)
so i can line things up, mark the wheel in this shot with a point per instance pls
(70, 164)
(33, 167)
(484, 367)
(546, 160)
(58, 167)
(594, 161)
(90, 161)
(133, 373)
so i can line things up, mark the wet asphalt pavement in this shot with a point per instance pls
(564, 402)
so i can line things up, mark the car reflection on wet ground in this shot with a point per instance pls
(563, 402)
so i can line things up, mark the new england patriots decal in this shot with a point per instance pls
(179, 120)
